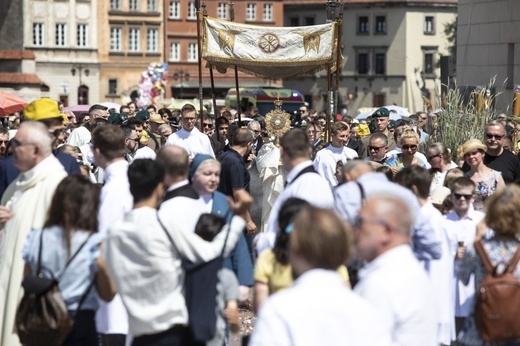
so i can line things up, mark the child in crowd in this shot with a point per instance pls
(207, 228)
(467, 218)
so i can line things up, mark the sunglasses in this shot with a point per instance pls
(433, 156)
(406, 147)
(458, 196)
(492, 136)
(209, 126)
(376, 149)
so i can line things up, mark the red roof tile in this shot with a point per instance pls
(10, 78)
(16, 55)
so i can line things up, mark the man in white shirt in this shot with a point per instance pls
(302, 182)
(132, 146)
(393, 281)
(327, 159)
(181, 202)
(189, 137)
(146, 268)
(108, 145)
(318, 309)
(466, 219)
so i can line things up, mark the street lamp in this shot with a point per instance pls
(182, 76)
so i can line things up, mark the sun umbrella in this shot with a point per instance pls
(78, 109)
(111, 105)
(10, 103)
(364, 115)
(403, 112)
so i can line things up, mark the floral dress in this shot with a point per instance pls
(497, 251)
(485, 188)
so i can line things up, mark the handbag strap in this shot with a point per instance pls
(514, 260)
(173, 244)
(68, 261)
(84, 296)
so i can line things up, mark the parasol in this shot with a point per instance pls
(10, 103)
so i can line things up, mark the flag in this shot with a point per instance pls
(271, 52)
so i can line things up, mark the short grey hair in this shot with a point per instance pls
(162, 128)
(253, 122)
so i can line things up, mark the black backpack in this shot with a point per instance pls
(42, 318)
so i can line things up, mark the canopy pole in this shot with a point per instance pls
(199, 51)
(339, 24)
(237, 87)
(330, 98)
(214, 100)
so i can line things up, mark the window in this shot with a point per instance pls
(152, 40)
(428, 63)
(134, 43)
(61, 31)
(38, 34)
(115, 39)
(362, 63)
(222, 10)
(294, 21)
(82, 35)
(380, 65)
(134, 5)
(309, 21)
(268, 12)
(192, 10)
(380, 24)
(115, 5)
(175, 10)
(363, 25)
(112, 86)
(251, 12)
(175, 51)
(429, 25)
(192, 52)
(152, 5)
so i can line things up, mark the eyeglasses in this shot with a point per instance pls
(189, 119)
(407, 146)
(133, 139)
(376, 149)
(360, 220)
(459, 196)
(16, 143)
(433, 156)
(492, 136)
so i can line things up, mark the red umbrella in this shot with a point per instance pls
(10, 103)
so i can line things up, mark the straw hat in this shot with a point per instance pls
(470, 146)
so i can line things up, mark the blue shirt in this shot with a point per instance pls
(81, 271)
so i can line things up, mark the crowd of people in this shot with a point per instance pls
(144, 218)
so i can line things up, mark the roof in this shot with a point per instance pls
(16, 55)
(10, 78)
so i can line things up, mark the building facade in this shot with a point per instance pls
(488, 47)
(391, 50)
(181, 45)
(132, 39)
(63, 36)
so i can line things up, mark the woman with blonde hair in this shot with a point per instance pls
(503, 217)
(487, 180)
(409, 145)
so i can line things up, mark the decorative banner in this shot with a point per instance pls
(153, 82)
(271, 52)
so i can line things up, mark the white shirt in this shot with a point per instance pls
(115, 202)
(318, 310)
(183, 210)
(194, 142)
(398, 287)
(465, 233)
(326, 160)
(310, 187)
(147, 269)
(145, 153)
(438, 178)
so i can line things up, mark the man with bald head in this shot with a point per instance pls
(393, 281)
(496, 157)
(24, 206)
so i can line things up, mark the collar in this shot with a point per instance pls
(179, 184)
(319, 277)
(37, 169)
(470, 214)
(297, 169)
(119, 167)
